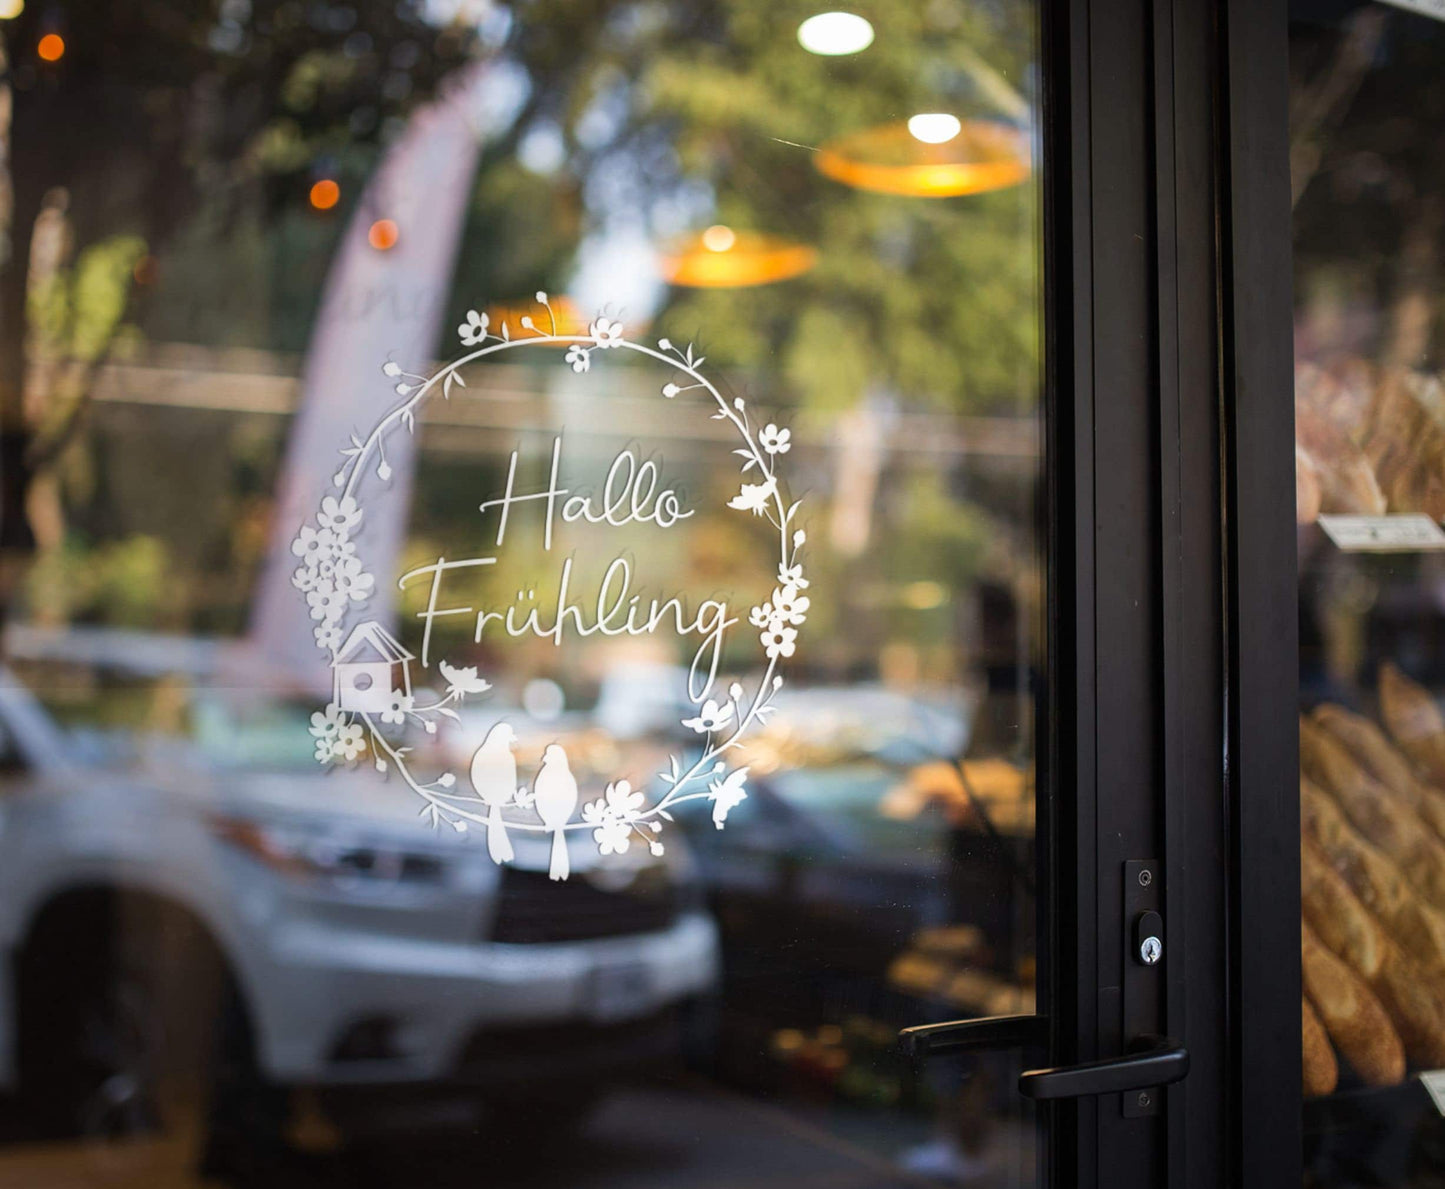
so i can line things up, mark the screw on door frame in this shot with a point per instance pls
(1144, 1099)
(1146, 877)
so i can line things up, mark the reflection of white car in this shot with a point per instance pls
(357, 944)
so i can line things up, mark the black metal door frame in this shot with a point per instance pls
(1262, 738)
(1130, 232)
(1106, 638)
(1172, 598)
(1172, 686)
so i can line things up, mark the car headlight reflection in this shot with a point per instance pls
(318, 854)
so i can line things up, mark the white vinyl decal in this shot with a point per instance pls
(373, 704)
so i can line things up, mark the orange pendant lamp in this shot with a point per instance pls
(721, 258)
(932, 155)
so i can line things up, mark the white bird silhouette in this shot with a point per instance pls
(494, 776)
(556, 798)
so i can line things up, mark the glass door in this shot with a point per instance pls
(569, 571)
(1367, 113)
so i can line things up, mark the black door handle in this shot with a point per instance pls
(1001, 1032)
(1159, 1062)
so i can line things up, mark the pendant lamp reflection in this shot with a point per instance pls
(557, 314)
(721, 258)
(976, 156)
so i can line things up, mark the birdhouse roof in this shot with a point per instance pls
(386, 645)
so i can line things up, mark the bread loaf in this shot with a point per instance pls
(1374, 752)
(1374, 879)
(1347, 479)
(1406, 446)
(1347, 929)
(1410, 1000)
(1353, 1018)
(1321, 1073)
(1380, 817)
(1414, 721)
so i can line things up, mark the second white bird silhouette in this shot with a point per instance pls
(556, 799)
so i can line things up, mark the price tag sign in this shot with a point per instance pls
(1383, 534)
(1434, 1081)
(1429, 8)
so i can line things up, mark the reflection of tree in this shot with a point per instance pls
(706, 110)
(158, 110)
(185, 155)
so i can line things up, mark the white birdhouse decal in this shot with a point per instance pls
(370, 669)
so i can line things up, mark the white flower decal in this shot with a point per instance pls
(774, 440)
(792, 576)
(790, 606)
(579, 357)
(313, 545)
(612, 836)
(622, 802)
(397, 709)
(325, 724)
(474, 329)
(339, 515)
(614, 815)
(353, 582)
(779, 641)
(331, 575)
(605, 332)
(326, 602)
(711, 717)
(349, 742)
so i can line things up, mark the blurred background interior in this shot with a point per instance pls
(1367, 113)
(218, 219)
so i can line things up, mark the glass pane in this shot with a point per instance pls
(1367, 117)
(523, 615)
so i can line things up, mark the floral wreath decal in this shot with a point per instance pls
(369, 697)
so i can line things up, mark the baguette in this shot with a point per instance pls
(1338, 918)
(1374, 752)
(1353, 1018)
(1393, 827)
(1321, 1073)
(1346, 928)
(1414, 721)
(1374, 879)
(1405, 444)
